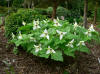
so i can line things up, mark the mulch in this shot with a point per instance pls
(25, 63)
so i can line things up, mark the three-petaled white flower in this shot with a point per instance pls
(56, 23)
(37, 48)
(13, 36)
(20, 35)
(91, 28)
(36, 25)
(75, 25)
(61, 34)
(70, 44)
(23, 23)
(45, 34)
(81, 43)
(88, 33)
(50, 50)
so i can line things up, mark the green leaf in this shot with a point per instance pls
(70, 52)
(15, 50)
(57, 56)
(84, 49)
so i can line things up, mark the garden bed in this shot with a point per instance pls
(25, 63)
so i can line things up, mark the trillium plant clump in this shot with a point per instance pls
(52, 39)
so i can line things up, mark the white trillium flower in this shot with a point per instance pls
(91, 28)
(50, 50)
(61, 34)
(37, 48)
(36, 25)
(70, 44)
(56, 23)
(23, 23)
(45, 34)
(20, 35)
(75, 25)
(13, 36)
(81, 43)
(88, 33)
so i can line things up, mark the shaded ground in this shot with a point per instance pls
(25, 63)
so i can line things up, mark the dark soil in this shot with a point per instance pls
(25, 63)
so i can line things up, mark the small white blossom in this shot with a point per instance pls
(91, 28)
(37, 48)
(36, 25)
(75, 25)
(13, 36)
(23, 23)
(61, 34)
(81, 43)
(50, 50)
(45, 34)
(70, 44)
(20, 35)
(56, 23)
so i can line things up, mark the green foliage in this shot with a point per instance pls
(69, 15)
(52, 39)
(98, 15)
(14, 20)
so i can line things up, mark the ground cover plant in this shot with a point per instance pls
(53, 38)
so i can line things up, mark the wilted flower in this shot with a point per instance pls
(56, 23)
(20, 35)
(23, 23)
(45, 34)
(81, 43)
(70, 44)
(61, 34)
(13, 36)
(50, 50)
(36, 25)
(37, 48)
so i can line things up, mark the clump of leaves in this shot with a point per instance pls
(50, 39)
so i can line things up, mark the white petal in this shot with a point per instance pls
(55, 21)
(72, 41)
(19, 37)
(24, 23)
(64, 33)
(58, 31)
(61, 36)
(45, 31)
(34, 28)
(48, 51)
(42, 35)
(38, 26)
(59, 24)
(71, 46)
(53, 51)
(47, 37)
(99, 60)
(36, 50)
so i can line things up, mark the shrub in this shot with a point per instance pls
(14, 20)
(50, 39)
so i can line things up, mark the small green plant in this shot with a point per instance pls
(52, 39)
